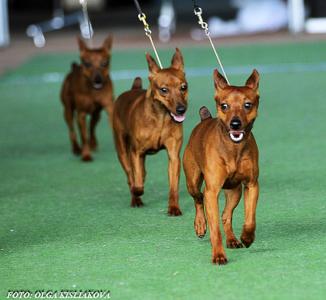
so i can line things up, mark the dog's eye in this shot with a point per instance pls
(104, 64)
(224, 106)
(87, 64)
(184, 87)
(248, 105)
(164, 90)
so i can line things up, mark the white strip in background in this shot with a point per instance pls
(56, 77)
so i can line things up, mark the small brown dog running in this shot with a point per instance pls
(223, 152)
(88, 89)
(145, 122)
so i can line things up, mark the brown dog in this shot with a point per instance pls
(145, 122)
(223, 152)
(87, 90)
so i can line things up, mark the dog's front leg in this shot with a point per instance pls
(173, 148)
(69, 118)
(94, 120)
(213, 185)
(108, 105)
(138, 171)
(251, 192)
(86, 153)
(232, 199)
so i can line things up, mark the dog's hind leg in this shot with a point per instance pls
(232, 198)
(69, 118)
(194, 179)
(92, 136)
(86, 153)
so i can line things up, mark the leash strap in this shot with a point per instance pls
(83, 3)
(198, 13)
(148, 32)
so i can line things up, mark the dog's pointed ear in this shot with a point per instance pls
(219, 81)
(81, 43)
(107, 44)
(152, 65)
(177, 60)
(253, 81)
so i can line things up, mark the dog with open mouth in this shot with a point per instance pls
(146, 121)
(222, 152)
(87, 90)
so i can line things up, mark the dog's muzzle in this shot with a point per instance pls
(98, 82)
(235, 133)
(180, 114)
(236, 136)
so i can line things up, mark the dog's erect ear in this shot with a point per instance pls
(219, 81)
(177, 60)
(253, 80)
(152, 65)
(82, 44)
(107, 44)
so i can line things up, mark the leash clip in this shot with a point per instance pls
(198, 12)
(142, 18)
(83, 3)
(148, 32)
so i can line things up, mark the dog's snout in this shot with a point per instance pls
(235, 123)
(181, 109)
(98, 78)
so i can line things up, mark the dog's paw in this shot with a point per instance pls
(247, 241)
(234, 244)
(200, 227)
(219, 259)
(174, 211)
(76, 150)
(248, 235)
(136, 202)
(87, 158)
(137, 191)
(247, 238)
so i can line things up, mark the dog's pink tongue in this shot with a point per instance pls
(178, 118)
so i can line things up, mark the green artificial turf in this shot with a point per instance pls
(67, 225)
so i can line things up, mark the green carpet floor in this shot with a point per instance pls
(67, 225)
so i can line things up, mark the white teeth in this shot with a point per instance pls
(98, 86)
(236, 139)
(178, 119)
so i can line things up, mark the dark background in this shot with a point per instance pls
(122, 13)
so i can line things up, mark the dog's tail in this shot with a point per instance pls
(204, 113)
(137, 84)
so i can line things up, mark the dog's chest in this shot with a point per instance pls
(237, 172)
(152, 141)
(88, 102)
(153, 136)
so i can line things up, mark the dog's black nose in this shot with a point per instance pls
(235, 124)
(181, 109)
(98, 79)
